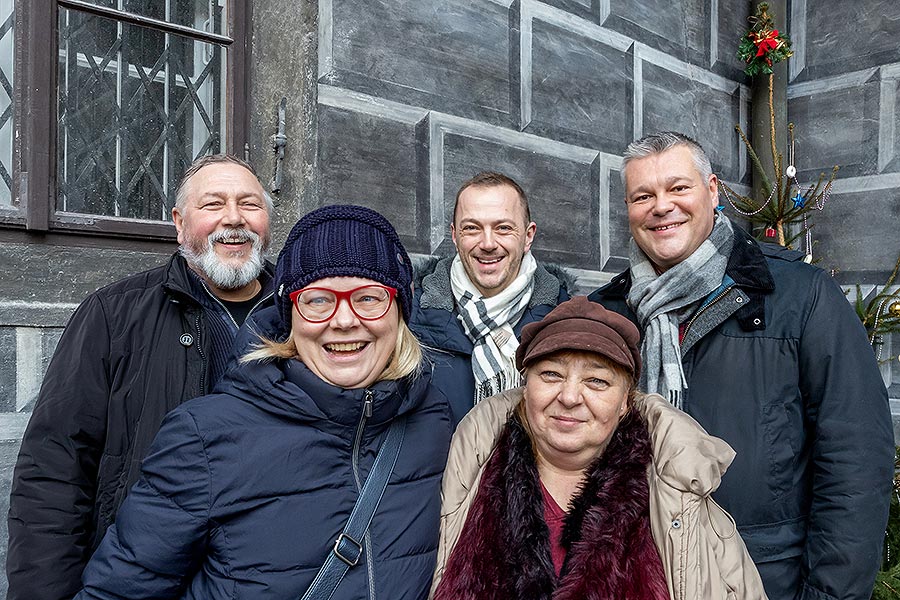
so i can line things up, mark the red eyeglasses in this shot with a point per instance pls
(368, 302)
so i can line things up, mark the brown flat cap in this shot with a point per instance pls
(579, 324)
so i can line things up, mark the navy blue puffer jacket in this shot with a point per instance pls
(245, 490)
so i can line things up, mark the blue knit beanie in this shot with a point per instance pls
(342, 241)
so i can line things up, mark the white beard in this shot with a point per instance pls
(222, 275)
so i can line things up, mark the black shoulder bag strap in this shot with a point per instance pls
(347, 548)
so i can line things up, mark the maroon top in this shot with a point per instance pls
(555, 518)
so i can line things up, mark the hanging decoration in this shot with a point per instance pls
(887, 580)
(787, 201)
(763, 45)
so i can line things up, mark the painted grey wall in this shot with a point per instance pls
(842, 97)
(393, 104)
(415, 98)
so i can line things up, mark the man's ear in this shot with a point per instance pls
(178, 220)
(453, 234)
(714, 190)
(529, 235)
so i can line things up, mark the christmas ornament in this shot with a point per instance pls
(791, 171)
(745, 213)
(894, 309)
(799, 201)
(763, 45)
(770, 232)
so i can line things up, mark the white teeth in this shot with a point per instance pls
(489, 261)
(344, 347)
(665, 227)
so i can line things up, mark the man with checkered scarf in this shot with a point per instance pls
(470, 308)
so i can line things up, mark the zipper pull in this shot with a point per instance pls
(367, 404)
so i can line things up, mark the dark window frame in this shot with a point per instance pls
(35, 118)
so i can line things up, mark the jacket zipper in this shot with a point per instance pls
(704, 309)
(219, 302)
(261, 300)
(357, 446)
(202, 356)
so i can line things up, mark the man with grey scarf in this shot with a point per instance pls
(764, 351)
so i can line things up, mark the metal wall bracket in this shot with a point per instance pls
(279, 141)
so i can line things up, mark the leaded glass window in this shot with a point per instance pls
(135, 105)
(7, 53)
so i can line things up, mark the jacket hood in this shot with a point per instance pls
(746, 266)
(685, 456)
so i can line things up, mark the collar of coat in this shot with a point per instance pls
(182, 283)
(288, 389)
(746, 266)
(434, 275)
(685, 456)
(504, 549)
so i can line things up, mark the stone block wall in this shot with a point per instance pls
(415, 98)
(394, 104)
(843, 99)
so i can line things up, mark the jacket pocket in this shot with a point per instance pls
(780, 448)
(775, 541)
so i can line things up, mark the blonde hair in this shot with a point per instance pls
(406, 359)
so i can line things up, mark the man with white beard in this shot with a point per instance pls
(131, 352)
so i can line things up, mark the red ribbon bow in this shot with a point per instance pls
(766, 41)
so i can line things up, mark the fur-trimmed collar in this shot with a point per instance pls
(432, 277)
(503, 551)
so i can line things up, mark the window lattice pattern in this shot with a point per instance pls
(136, 107)
(7, 21)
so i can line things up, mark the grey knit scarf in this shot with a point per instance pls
(662, 302)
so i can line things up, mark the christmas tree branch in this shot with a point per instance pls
(757, 163)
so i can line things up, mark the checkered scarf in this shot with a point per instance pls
(489, 322)
(661, 302)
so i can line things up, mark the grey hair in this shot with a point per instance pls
(214, 159)
(656, 143)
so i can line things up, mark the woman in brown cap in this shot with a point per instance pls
(577, 486)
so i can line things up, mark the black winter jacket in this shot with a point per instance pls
(778, 365)
(244, 492)
(131, 352)
(434, 321)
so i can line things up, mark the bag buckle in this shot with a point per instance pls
(347, 549)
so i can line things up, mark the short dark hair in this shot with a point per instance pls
(214, 159)
(494, 179)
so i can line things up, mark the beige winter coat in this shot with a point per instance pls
(703, 556)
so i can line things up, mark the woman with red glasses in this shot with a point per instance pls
(314, 469)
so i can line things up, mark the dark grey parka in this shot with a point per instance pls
(244, 491)
(778, 365)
